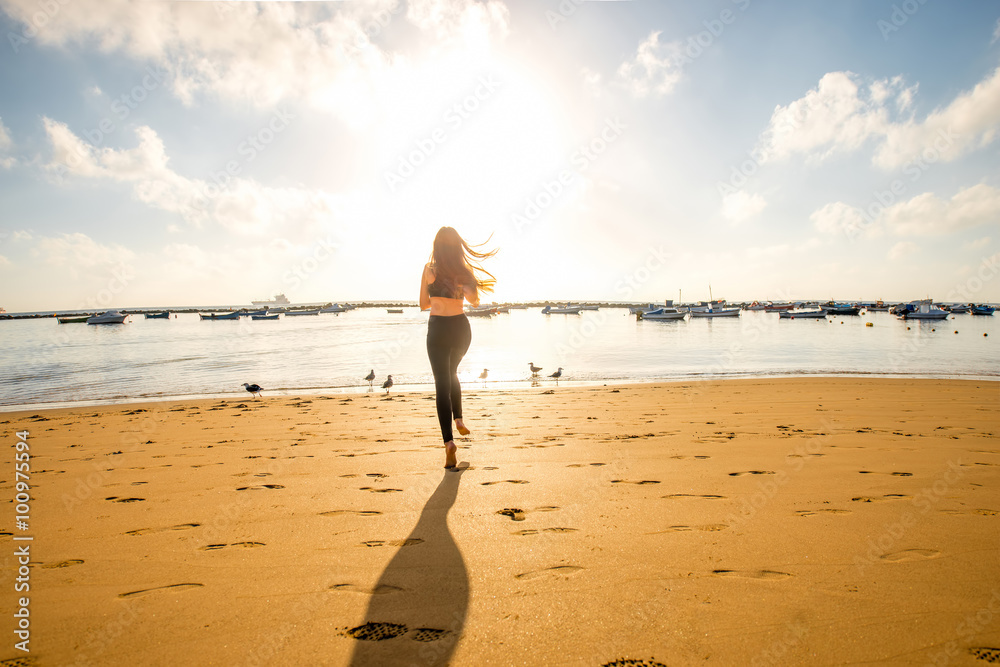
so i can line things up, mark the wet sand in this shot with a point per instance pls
(816, 520)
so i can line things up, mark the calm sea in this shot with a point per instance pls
(43, 362)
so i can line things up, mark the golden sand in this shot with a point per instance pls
(784, 521)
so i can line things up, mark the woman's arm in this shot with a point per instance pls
(425, 296)
(472, 295)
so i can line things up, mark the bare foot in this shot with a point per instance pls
(460, 425)
(451, 454)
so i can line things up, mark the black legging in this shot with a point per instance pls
(448, 339)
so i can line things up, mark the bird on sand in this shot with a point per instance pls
(252, 388)
(371, 378)
(387, 384)
(557, 375)
(534, 368)
(482, 376)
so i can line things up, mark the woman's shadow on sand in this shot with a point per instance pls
(418, 607)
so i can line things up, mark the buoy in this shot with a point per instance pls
(869, 324)
(907, 328)
(956, 332)
(933, 329)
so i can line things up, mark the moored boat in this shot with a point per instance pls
(661, 314)
(716, 312)
(983, 310)
(570, 310)
(772, 307)
(924, 310)
(289, 313)
(109, 317)
(394, 311)
(265, 316)
(219, 316)
(72, 319)
(334, 308)
(841, 309)
(164, 315)
(802, 314)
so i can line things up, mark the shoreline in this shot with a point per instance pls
(470, 385)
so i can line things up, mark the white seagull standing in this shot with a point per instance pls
(387, 385)
(254, 389)
(482, 376)
(371, 378)
(534, 368)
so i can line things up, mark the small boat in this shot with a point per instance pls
(802, 314)
(480, 312)
(335, 308)
(661, 314)
(583, 307)
(394, 311)
(983, 310)
(756, 305)
(73, 319)
(110, 317)
(841, 309)
(289, 313)
(772, 307)
(958, 308)
(165, 315)
(265, 316)
(220, 316)
(251, 313)
(721, 312)
(570, 310)
(924, 310)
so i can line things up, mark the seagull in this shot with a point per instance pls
(387, 384)
(482, 376)
(534, 368)
(371, 378)
(557, 375)
(253, 388)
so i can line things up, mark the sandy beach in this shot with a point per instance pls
(817, 520)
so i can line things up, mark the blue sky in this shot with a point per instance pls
(189, 153)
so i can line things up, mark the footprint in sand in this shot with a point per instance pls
(381, 589)
(63, 563)
(557, 571)
(530, 531)
(518, 514)
(505, 481)
(124, 500)
(584, 465)
(987, 653)
(894, 474)
(628, 481)
(875, 499)
(245, 545)
(752, 472)
(752, 574)
(260, 487)
(394, 543)
(633, 662)
(707, 527)
(706, 496)
(358, 512)
(376, 475)
(376, 632)
(374, 490)
(146, 531)
(171, 587)
(821, 511)
(908, 555)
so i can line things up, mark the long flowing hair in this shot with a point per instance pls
(457, 263)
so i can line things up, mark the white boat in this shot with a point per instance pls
(662, 314)
(925, 310)
(110, 317)
(721, 312)
(279, 300)
(571, 310)
(583, 307)
(335, 308)
(802, 314)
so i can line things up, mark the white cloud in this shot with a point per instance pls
(927, 214)
(243, 206)
(6, 144)
(978, 243)
(655, 69)
(79, 250)
(740, 206)
(591, 80)
(841, 114)
(902, 249)
(837, 218)
(996, 32)
(325, 54)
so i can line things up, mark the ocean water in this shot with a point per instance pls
(43, 362)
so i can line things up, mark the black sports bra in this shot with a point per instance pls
(444, 288)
